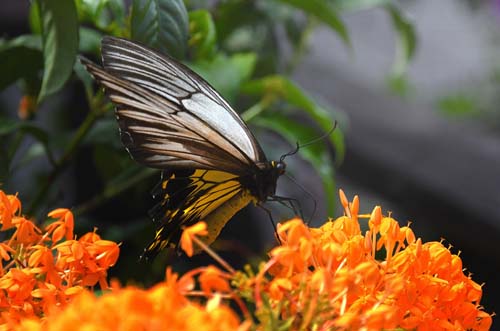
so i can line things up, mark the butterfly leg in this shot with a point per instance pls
(268, 212)
(291, 203)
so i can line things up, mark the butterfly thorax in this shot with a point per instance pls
(262, 183)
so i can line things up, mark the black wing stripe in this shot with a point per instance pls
(171, 126)
(125, 59)
(185, 197)
(202, 204)
(154, 82)
(155, 66)
(144, 69)
(202, 200)
(142, 106)
(127, 54)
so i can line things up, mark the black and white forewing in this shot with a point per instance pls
(194, 100)
(162, 134)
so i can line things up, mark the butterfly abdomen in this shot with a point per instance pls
(217, 219)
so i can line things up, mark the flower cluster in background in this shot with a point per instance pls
(165, 306)
(334, 277)
(44, 268)
(337, 278)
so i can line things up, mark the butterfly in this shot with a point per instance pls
(172, 119)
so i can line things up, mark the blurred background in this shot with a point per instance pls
(419, 119)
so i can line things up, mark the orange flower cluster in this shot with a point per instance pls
(331, 278)
(45, 269)
(163, 307)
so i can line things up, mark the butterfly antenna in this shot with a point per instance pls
(282, 158)
(311, 142)
(308, 193)
(323, 136)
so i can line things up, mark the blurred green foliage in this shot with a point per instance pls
(237, 45)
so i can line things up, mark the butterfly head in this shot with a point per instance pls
(262, 184)
(279, 167)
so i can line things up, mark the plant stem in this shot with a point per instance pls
(253, 111)
(257, 108)
(97, 109)
(113, 190)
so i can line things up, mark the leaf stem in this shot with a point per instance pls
(113, 190)
(257, 108)
(97, 109)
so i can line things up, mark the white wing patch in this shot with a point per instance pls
(218, 117)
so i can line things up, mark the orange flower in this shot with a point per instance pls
(9, 205)
(212, 279)
(40, 276)
(198, 229)
(27, 233)
(64, 225)
(27, 106)
(130, 308)
(330, 278)
(326, 278)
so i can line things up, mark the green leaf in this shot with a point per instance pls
(280, 88)
(119, 20)
(34, 151)
(226, 74)
(458, 105)
(20, 58)
(356, 5)
(30, 41)
(406, 40)
(106, 15)
(104, 132)
(108, 161)
(202, 34)
(90, 41)
(34, 18)
(10, 126)
(161, 24)
(317, 154)
(40, 135)
(325, 12)
(233, 15)
(399, 84)
(84, 76)
(89, 10)
(60, 43)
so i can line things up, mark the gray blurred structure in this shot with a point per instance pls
(443, 175)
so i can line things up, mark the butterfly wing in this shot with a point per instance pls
(186, 196)
(170, 117)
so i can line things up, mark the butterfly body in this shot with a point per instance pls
(172, 119)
